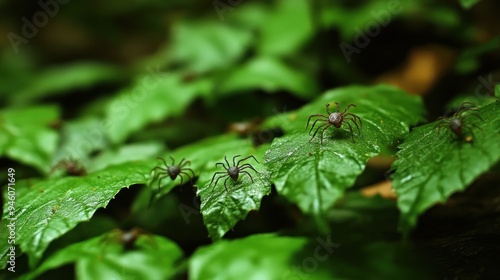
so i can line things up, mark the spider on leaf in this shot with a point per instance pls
(232, 171)
(459, 122)
(173, 171)
(334, 119)
(128, 238)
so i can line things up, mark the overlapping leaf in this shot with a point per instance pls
(65, 78)
(154, 257)
(155, 96)
(48, 209)
(276, 38)
(204, 47)
(313, 175)
(468, 3)
(431, 165)
(269, 74)
(268, 256)
(79, 138)
(26, 135)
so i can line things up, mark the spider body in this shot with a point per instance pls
(458, 122)
(232, 171)
(71, 167)
(335, 119)
(456, 126)
(172, 171)
(128, 238)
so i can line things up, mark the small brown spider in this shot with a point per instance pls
(127, 238)
(173, 171)
(71, 167)
(334, 119)
(457, 122)
(232, 171)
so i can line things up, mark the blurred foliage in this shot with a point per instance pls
(93, 92)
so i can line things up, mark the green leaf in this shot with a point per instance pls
(26, 135)
(246, 258)
(477, 100)
(125, 153)
(430, 167)
(153, 98)
(315, 176)
(469, 59)
(48, 209)
(207, 46)
(153, 257)
(61, 79)
(497, 90)
(222, 209)
(468, 3)
(79, 138)
(269, 74)
(268, 256)
(287, 29)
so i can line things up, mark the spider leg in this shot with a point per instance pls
(246, 172)
(322, 133)
(473, 125)
(353, 121)
(159, 182)
(326, 124)
(315, 115)
(217, 181)
(228, 165)
(164, 162)
(347, 108)
(356, 118)
(237, 164)
(213, 177)
(471, 131)
(190, 170)
(217, 164)
(187, 174)
(225, 182)
(328, 108)
(352, 134)
(245, 166)
(473, 114)
(181, 162)
(234, 158)
(314, 123)
(155, 177)
(182, 179)
(173, 160)
(187, 162)
(337, 105)
(158, 167)
(462, 108)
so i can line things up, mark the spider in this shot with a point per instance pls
(128, 238)
(173, 171)
(457, 122)
(70, 166)
(233, 171)
(334, 119)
